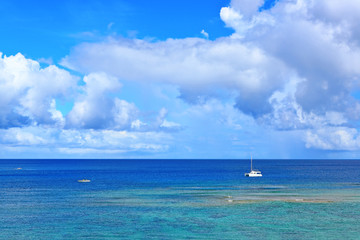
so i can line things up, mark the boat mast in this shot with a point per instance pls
(251, 162)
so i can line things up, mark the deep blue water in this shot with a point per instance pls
(179, 199)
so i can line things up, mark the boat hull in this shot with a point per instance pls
(252, 175)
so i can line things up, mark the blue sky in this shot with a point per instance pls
(43, 29)
(180, 79)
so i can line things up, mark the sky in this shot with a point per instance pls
(275, 79)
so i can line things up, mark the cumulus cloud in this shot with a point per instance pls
(243, 19)
(288, 114)
(319, 44)
(341, 13)
(247, 7)
(321, 52)
(199, 67)
(28, 92)
(333, 138)
(293, 66)
(97, 110)
(99, 122)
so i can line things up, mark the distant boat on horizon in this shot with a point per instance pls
(84, 180)
(253, 172)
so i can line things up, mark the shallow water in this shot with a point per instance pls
(172, 199)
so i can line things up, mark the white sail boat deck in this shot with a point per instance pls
(253, 172)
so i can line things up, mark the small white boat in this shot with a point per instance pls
(253, 172)
(84, 180)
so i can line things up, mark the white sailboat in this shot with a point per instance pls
(253, 172)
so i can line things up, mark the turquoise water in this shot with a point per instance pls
(168, 199)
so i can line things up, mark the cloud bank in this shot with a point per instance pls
(198, 67)
(97, 122)
(293, 66)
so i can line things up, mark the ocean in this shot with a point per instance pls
(179, 199)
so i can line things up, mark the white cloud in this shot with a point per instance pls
(56, 115)
(247, 7)
(234, 19)
(244, 24)
(340, 13)
(115, 140)
(293, 66)
(290, 68)
(137, 124)
(199, 67)
(333, 138)
(97, 110)
(221, 113)
(205, 34)
(18, 137)
(319, 45)
(156, 123)
(28, 92)
(168, 124)
(48, 61)
(84, 141)
(320, 51)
